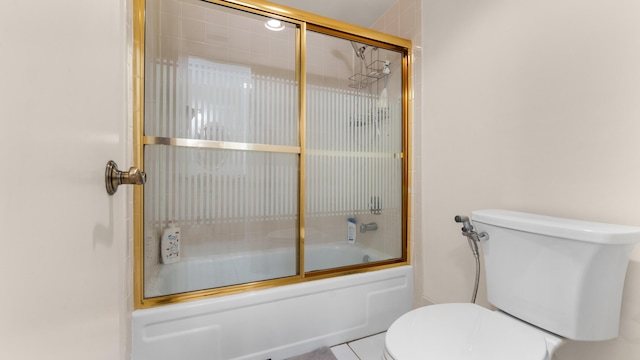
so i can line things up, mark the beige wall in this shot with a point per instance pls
(531, 106)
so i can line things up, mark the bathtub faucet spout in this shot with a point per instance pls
(368, 227)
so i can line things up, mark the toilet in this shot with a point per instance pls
(551, 279)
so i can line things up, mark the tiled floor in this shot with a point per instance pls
(369, 348)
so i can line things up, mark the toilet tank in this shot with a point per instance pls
(565, 276)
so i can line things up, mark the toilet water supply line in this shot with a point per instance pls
(473, 237)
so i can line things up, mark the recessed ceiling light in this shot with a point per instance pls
(274, 25)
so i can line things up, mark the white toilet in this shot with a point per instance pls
(551, 279)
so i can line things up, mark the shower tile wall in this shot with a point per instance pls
(192, 27)
(329, 62)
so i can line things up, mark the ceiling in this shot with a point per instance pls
(359, 12)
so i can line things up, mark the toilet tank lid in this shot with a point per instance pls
(588, 231)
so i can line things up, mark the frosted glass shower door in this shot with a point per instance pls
(221, 147)
(354, 153)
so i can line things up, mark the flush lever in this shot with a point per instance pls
(114, 178)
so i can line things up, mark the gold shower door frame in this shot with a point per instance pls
(304, 21)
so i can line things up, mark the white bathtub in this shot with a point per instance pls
(275, 323)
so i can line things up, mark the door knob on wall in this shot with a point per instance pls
(114, 178)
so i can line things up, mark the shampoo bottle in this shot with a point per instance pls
(351, 231)
(170, 244)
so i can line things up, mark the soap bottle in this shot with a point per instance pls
(170, 244)
(351, 231)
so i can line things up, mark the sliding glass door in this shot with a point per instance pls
(274, 146)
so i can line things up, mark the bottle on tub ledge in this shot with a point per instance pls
(351, 231)
(170, 244)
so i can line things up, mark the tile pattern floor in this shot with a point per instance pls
(369, 348)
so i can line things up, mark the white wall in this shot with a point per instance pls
(530, 106)
(65, 288)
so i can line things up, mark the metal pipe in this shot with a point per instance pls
(472, 237)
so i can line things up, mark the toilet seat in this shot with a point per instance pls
(462, 332)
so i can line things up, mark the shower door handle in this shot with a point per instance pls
(114, 178)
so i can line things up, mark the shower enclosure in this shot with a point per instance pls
(275, 140)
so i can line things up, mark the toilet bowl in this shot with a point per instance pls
(551, 279)
(466, 332)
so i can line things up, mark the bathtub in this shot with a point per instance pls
(276, 323)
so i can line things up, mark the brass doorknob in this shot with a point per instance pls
(114, 178)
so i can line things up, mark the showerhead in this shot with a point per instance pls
(359, 50)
